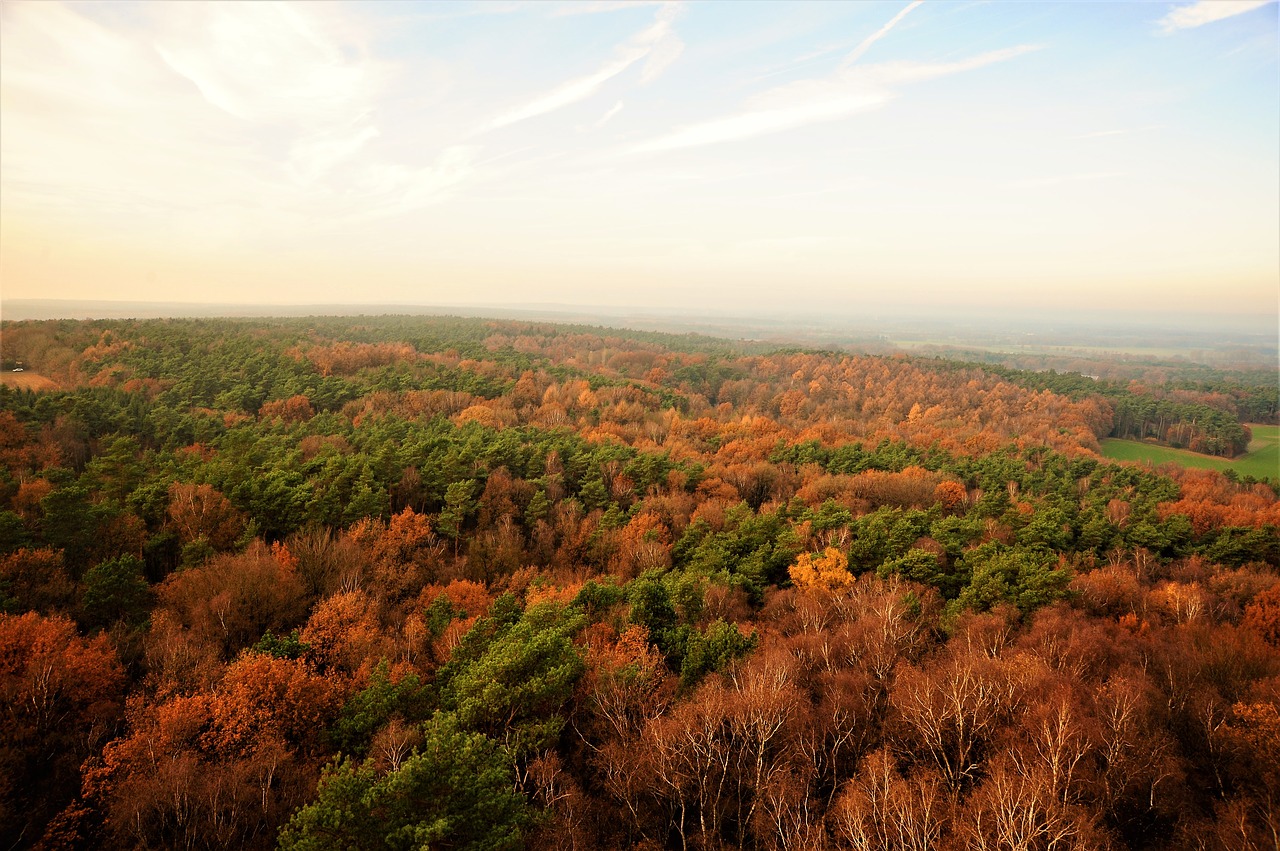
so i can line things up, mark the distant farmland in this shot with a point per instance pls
(27, 381)
(1262, 459)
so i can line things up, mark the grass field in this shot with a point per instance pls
(1262, 459)
(27, 381)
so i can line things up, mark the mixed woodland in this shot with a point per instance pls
(428, 582)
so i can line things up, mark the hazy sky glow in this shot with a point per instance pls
(755, 156)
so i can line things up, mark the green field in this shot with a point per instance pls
(1262, 459)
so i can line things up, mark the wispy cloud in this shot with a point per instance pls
(851, 90)
(1206, 12)
(822, 106)
(393, 189)
(805, 102)
(826, 50)
(276, 66)
(666, 45)
(569, 93)
(658, 43)
(212, 123)
(315, 155)
(866, 44)
(604, 119)
(264, 62)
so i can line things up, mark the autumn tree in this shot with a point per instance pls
(1010, 809)
(61, 696)
(233, 599)
(880, 808)
(827, 573)
(1263, 615)
(952, 709)
(763, 721)
(295, 409)
(406, 554)
(344, 634)
(328, 561)
(625, 686)
(221, 768)
(34, 580)
(1251, 736)
(200, 512)
(687, 759)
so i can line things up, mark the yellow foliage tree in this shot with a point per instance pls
(828, 572)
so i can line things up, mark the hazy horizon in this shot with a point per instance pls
(813, 159)
(935, 325)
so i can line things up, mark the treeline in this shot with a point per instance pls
(1247, 389)
(1196, 416)
(469, 584)
(1180, 425)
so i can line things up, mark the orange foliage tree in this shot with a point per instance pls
(200, 511)
(827, 573)
(60, 696)
(222, 768)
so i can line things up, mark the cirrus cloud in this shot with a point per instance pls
(658, 43)
(1206, 12)
(805, 102)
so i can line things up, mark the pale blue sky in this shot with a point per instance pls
(757, 155)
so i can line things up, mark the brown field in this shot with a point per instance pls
(27, 381)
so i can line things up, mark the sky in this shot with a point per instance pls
(824, 158)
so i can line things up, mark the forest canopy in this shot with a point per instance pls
(457, 583)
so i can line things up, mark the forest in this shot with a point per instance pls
(418, 582)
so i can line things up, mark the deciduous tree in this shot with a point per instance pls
(60, 697)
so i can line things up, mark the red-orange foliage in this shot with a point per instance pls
(643, 544)
(1263, 615)
(950, 495)
(345, 634)
(913, 487)
(26, 502)
(409, 404)
(37, 580)
(295, 409)
(626, 684)
(53, 681)
(347, 358)
(469, 599)
(20, 453)
(61, 694)
(262, 697)
(230, 601)
(200, 511)
(404, 555)
(952, 709)
(1209, 499)
(122, 534)
(879, 808)
(223, 767)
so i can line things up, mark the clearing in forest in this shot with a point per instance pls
(27, 381)
(1262, 459)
